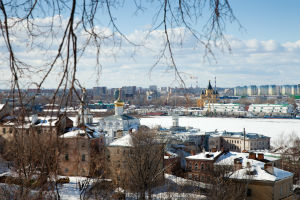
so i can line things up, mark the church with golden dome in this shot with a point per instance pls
(119, 124)
(210, 96)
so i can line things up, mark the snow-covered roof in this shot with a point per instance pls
(72, 134)
(18, 125)
(98, 110)
(260, 174)
(47, 121)
(125, 141)
(205, 156)
(256, 167)
(228, 159)
(1, 106)
(235, 134)
(170, 155)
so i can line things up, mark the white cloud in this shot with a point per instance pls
(251, 61)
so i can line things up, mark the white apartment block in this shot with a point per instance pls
(295, 90)
(240, 91)
(252, 90)
(263, 90)
(273, 90)
(286, 90)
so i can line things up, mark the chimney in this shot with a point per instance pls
(214, 149)
(269, 168)
(252, 155)
(260, 156)
(237, 163)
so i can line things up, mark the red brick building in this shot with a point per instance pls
(172, 163)
(201, 166)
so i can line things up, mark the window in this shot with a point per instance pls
(66, 156)
(10, 130)
(4, 130)
(202, 166)
(83, 144)
(83, 157)
(196, 166)
(66, 170)
(207, 167)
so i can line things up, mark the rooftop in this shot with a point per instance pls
(235, 134)
(125, 141)
(205, 156)
(73, 134)
(119, 117)
(256, 168)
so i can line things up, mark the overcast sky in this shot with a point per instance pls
(266, 51)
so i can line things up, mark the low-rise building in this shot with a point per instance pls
(232, 109)
(261, 179)
(172, 163)
(254, 174)
(120, 165)
(200, 167)
(40, 124)
(236, 141)
(271, 109)
(79, 153)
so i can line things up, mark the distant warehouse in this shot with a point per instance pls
(271, 109)
(233, 109)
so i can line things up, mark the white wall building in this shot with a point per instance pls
(237, 141)
(271, 108)
(228, 107)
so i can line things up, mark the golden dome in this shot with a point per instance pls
(119, 103)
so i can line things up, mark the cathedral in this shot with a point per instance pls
(208, 97)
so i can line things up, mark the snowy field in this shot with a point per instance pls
(274, 128)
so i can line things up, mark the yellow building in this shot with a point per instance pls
(208, 97)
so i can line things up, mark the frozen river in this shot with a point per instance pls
(274, 128)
